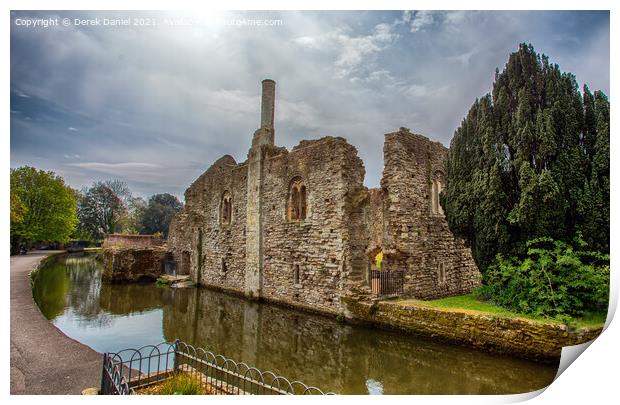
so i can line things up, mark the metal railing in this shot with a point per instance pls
(112, 380)
(129, 370)
(386, 283)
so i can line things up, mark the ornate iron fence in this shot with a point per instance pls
(385, 283)
(112, 380)
(129, 370)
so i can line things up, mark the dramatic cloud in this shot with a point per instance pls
(157, 105)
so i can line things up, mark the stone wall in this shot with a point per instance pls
(135, 241)
(315, 259)
(519, 337)
(211, 251)
(316, 247)
(416, 239)
(133, 264)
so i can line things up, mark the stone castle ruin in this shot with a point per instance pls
(299, 227)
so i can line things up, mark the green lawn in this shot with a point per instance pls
(469, 303)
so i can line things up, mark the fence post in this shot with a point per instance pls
(103, 372)
(176, 356)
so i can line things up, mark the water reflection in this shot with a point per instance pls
(314, 349)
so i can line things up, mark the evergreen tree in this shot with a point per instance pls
(530, 160)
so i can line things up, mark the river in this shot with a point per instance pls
(317, 350)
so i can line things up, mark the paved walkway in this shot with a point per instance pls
(43, 359)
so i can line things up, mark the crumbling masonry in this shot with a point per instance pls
(299, 227)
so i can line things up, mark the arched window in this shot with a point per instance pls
(437, 187)
(297, 200)
(226, 208)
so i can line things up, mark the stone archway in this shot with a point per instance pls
(372, 253)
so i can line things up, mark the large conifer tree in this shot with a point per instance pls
(531, 159)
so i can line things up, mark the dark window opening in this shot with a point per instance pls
(226, 208)
(297, 200)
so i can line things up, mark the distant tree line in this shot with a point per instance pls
(109, 207)
(43, 209)
(530, 162)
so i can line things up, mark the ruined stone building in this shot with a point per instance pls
(299, 227)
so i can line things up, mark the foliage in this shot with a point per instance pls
(161, 280)
(379, 260)
(18, 209)
(181, 384)
(158, 214)
(553, 279)
(100, 210)
(131, 223)
(530, 160)
(43, 208)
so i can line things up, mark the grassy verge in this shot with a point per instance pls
(181, 384)
(470, 304)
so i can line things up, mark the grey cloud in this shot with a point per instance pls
(174, 99)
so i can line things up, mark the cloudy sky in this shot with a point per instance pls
(155, 106)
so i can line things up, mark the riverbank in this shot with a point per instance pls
(516, 336)
(43, 359)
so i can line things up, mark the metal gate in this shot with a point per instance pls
(386, 283)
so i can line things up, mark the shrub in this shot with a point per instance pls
(554, 279)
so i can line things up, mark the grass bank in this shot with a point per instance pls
(470, 304)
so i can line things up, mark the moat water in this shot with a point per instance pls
(317, 350)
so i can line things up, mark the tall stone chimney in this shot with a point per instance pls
(268, 103)
(265, 135)
(261, 142)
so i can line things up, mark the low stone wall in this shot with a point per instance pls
(133, 264)
(131, 241)
(515, 336)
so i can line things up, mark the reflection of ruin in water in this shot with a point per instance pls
(314, 349)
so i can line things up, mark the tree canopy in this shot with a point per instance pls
(159, 212)
(530, 160)
(43, 208)
(100, 210)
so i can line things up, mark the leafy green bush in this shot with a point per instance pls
(554, 279)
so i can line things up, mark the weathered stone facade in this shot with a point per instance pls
(299, 227)
(133, 241)
(134, 263)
